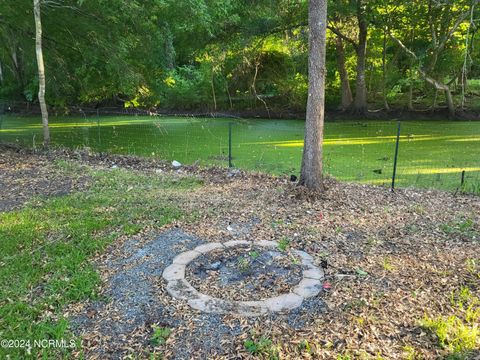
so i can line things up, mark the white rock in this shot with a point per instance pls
(159, 171)
(208, 247)
(176, 164)
(174, 272)
(313, 272)
(284, 302)
(308, 288)
(181, 289)
(186, 257)
(266, 243)
(250, 308)
(235, 243)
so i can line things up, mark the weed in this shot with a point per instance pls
(419, 209)
(243, 264)
(462, 227)
(160, 335)
(283, 244)
(387, 265)
(411, 353)
(305, 346)
(254, 254)
(459, 332)
(262, 346)
(361, 272)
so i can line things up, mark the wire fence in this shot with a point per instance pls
(440, 155)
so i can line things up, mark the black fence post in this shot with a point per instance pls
(396, 156)
(230, 145)
(462, 181)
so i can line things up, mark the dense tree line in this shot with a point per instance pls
(242, 54)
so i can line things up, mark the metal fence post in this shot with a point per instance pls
(462, 182)
(396, 157)
(230, 145)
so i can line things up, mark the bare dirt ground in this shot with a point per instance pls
(23, 177)
(390, 260)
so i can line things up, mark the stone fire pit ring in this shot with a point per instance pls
(179, 288)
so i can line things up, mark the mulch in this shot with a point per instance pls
(389, 261)
(245, 274)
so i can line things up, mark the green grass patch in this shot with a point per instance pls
(432, 154)
(458, 333)
(45, 249)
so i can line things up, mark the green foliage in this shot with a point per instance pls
(254, 254)
(283, 244)
(160, 335)
(243, 264)
(459, 332)
(187, 87)
(463, 226)
(261, 346)
(219, 55)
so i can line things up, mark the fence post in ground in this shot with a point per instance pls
(230, 145)
(396, 156)
(462, 181)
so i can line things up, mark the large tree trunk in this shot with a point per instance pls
(18, 67)
(41, 72)
(360, 103)
(312, 164)
(384, 72)
(346, 91)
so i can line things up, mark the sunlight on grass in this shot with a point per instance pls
(432, 154)
(459, 333)
(439, 170)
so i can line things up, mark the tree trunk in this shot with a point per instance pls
(410, 88)
(213, 90)
(467, 54)
(346, 91)
(18, 67)
(410, 96)
(435, 83)
(312, 164)
(434, 104)
(450, 103)
(384, 72)
(360, 104)
(41, 72)
(442, 87)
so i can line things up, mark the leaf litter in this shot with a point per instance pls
(388, 259)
